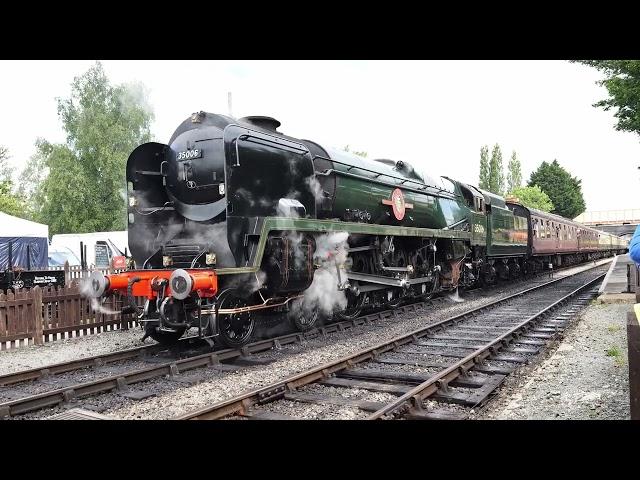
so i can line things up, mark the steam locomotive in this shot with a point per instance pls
(232, 222)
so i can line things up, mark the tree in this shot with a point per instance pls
(564, 190)
(5, 169)
(496, 176)
(80, 186)
(31, 181)
(514, 173)
(623, 84)
(484, 168)
(10, 202)
(533, 197)
(362, 154)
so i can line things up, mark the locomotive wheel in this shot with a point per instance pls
(236, 329)
(355, 303)
(303, 318)
(163, 337)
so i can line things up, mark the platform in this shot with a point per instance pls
(615, 288)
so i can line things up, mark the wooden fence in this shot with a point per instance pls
(41, 315)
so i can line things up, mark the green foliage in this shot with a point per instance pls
(532, 197)
(564, 190)
(10, 202)
(623, 84)
(362, 154)
(484, 168)
(613, 352)
(5, 169)
(80, 186)
(496, 175)
(32, 178)
(514, 173)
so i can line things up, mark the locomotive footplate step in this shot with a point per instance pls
(373, 386)
(137, 394)
(328, 399)
(477, 396)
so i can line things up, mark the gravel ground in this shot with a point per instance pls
(70, 349)
(584, 378)
(172, 398)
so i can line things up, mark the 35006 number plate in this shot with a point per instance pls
(189, 154)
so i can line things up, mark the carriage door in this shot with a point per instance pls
(578, 237)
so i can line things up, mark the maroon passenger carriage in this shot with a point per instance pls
(559, 241)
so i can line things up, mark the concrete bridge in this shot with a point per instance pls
(618, 222)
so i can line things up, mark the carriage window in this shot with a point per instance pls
(548, 230)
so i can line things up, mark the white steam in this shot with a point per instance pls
(314, 187)
(323, 294)
(96, 306)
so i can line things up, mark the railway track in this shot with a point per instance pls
(460, 360)
(171, 367)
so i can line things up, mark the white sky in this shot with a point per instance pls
(434, 114)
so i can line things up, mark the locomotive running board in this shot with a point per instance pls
(380, 280)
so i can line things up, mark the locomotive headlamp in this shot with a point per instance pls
(221, 189)
(210, 259)
(181, 284)
(167, 261)
(132, 201)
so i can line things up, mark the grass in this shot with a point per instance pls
(613, 328)
(613, 352)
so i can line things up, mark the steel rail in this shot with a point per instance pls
(241, 403)
(417, 395)
(175, 367)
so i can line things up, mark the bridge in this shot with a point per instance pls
(617, 222)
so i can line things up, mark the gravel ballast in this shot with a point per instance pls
(172, 398)
(584, 378)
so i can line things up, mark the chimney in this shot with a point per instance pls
(265, 123)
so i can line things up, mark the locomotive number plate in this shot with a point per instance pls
(189, 154)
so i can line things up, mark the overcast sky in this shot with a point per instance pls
(434, 114)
